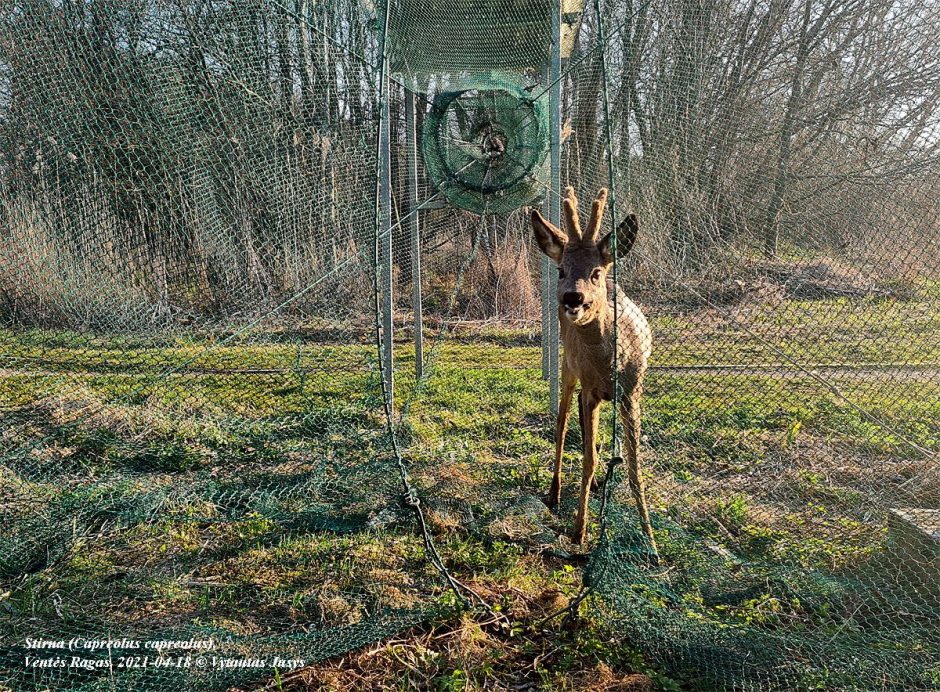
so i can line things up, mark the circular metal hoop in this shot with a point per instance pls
(485, 148)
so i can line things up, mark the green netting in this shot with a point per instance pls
(485, 147)
(278, 348)
(465, 39)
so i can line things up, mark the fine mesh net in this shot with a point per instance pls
(279, 360)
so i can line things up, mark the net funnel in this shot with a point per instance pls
(277, 359)
(485, 148)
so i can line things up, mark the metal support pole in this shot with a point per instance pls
(547, 313)
(413, 228)
(554, 198)
(385, 212)
(548, 300)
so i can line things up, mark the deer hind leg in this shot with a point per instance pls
(589, 464)
(568, 382)
(630, 409)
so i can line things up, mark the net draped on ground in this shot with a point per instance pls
(194, 441)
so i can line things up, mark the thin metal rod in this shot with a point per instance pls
(546, 288)
(547, 315)
(612, 217)
(385, 215)
(383, 246)
(413, 228)
(554, 201)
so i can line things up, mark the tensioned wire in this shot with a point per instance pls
(665, 272)
(814, 374)
(832, 386)
(358, 56)
(585, 589)
(277, 308)
(609, 486)
(410, 495)
(601, 45)
(615, 31)
(669, 275)
(433, 351)
(600, 41)
(827, 382)
(297, 295)
(431, 551)
(234, 335)
(615, 423)
(158, 376)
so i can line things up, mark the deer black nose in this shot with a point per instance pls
(573, 299)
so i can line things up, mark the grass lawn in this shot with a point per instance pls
(249, 486)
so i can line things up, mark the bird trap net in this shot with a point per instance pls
(279, 353)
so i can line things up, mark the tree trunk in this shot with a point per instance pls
(787, 131)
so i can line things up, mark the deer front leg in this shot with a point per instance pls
(630, 410)
(598, 445)
(568, 382)
(592, 407)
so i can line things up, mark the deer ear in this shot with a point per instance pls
(626, 237)
(550, 239)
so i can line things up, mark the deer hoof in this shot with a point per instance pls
(579, 534)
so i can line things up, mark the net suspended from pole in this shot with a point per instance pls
(220, 441)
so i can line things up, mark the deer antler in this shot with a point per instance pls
(571, 213)
(597, 215)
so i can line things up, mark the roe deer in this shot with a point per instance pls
(586, 298)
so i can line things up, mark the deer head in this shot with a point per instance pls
(583, 258)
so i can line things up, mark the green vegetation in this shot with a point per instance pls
(249, 486)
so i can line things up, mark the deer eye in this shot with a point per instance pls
(596, 276)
